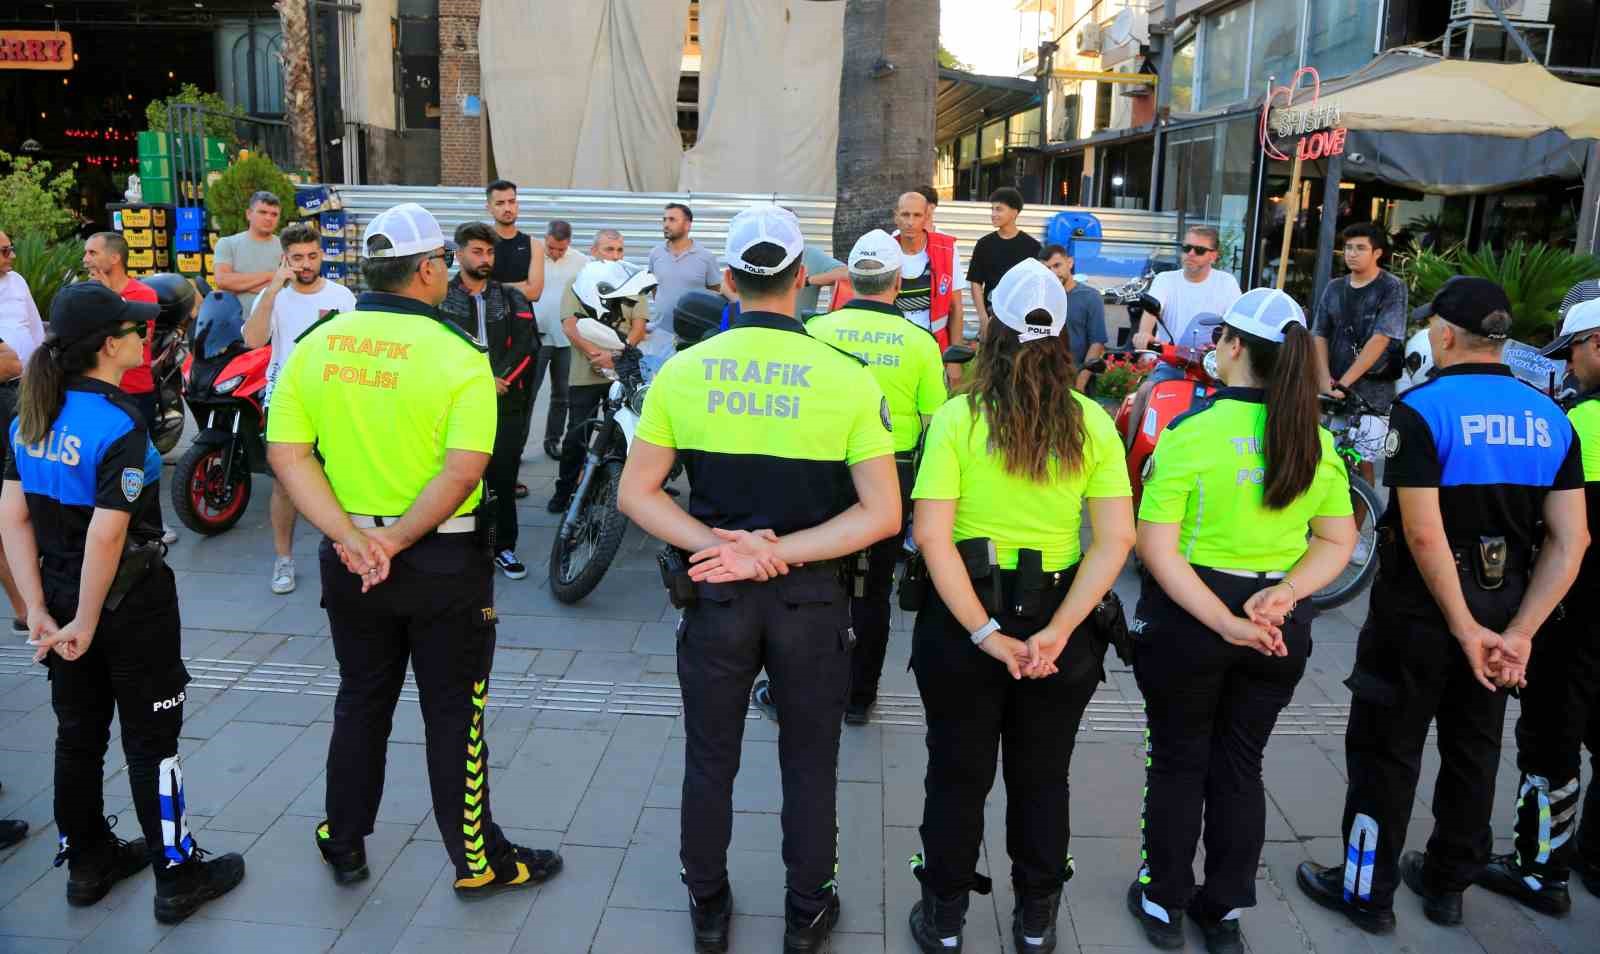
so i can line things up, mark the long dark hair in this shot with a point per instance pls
(1293, 445)
(44, 386)
(1025, 390)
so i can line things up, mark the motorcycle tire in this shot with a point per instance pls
(203, 506)
(570, 584)
(1355, 577)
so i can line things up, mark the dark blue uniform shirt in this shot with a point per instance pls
(96, 455)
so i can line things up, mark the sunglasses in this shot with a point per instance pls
(445, 255)
(138, 328)
(1197, 249)
(6, 251)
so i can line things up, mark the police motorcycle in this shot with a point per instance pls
(168, 349)
(224, 383)
(592, 527)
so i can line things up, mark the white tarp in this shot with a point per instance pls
(769, 97)
(583, 95)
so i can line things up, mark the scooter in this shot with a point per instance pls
(168, 349)
(224, 383)
(592, 527)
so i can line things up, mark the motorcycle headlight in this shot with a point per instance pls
(226, 386)
(636, 400)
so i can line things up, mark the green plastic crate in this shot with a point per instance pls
(154, 167)
(156, 191)
(153, 144)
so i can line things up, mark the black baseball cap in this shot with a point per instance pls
(1465, 301)
(86, 307)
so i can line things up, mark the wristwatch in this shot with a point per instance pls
(982, 632)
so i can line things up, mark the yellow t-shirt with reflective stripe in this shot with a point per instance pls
(903, 357)
(1585, 418)
(383, 395)
(1013, 511)
(1208, 476)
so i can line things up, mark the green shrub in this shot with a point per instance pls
(32, 201)
(46, 266)
(229, 197)
(1535, 278)
(218, 119)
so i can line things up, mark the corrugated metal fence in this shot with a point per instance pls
(637, 215)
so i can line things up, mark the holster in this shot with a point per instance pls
(1489, 561)
(914, 583)
(138, 559)
(675, 577)
(1110, 623)
(1027, 584)
(483, 518)
(857, 569)
(978, 555)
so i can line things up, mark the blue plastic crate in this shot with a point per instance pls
(191, 218)
(188, 241)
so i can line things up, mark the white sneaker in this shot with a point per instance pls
(283, 575)
(1363, 551)
(169, 537)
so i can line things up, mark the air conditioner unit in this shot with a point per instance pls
(1089, 39)
(1528, 11)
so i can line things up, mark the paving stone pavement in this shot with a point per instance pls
(586, 751)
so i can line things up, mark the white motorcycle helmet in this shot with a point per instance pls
(1418, 362)
(601, 283)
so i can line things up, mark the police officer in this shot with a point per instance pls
(1245, 510)
(1477, 462)
(1000, 648)
(906, 361)
(1561, 706)
(789, 455)
(401, 406)
(83, 533)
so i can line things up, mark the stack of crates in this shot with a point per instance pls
(340, 239)
(193, 244)
(147, 228)
(155, 165)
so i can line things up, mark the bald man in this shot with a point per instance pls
(931, 273)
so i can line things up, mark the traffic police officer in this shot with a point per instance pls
(1477, 461)
(1561, 706)
(789, 454)
(1246, 509)
(906, 361)
(400, 404)
(83, 533)
(1000, 648)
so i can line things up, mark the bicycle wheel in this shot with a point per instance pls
(1363, 565)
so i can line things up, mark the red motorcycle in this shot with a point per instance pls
(224, 384)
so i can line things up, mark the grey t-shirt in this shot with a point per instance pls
(694, 270)
(1348, 318)
(245, 254)
(815, 261)
(1086, 321)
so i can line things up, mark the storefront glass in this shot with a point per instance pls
(1341, 35)
(1023, 129)
(1183, 77)
(1227, 46)
(1275, 42)
(993, 144)
(1208, 181)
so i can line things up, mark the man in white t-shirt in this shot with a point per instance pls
(561, 266)
(296, 298)
(1199, 288)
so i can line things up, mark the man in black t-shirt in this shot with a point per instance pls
(518, 259)
(997, 252)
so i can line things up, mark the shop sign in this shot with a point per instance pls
(1316, 124)
(35, 50)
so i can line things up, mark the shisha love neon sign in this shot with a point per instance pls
(1280, 118)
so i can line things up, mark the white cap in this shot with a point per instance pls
(410, 229)
(763, 223)
(876, 246)
(1027, 288)
(1264, 312)
(1582, 317)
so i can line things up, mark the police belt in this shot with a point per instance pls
(462, 524)
(1516, 562)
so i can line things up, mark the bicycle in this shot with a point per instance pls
(1342, 416)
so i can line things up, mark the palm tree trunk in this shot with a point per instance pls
(298, 104)
(885, 118)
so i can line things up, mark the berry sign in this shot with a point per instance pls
(35, 50)
(1316, 125)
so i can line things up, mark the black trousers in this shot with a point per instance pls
(1560, 715)
(975, 711)
(871, 612)
(132, 670)
(1210, 707)
(558, 363)
(511, 431)
(798, 627)
(435, 611)
(583, 402)
(1410, 673)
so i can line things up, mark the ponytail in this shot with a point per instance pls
(44, 384)
(1293, 445)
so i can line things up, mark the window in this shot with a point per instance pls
(944, 167)
(1341, 35)
(1183, 77)
(1023, 129)
(1275, 41)
(993, 145)
(969, 149)
(1227, 49)
(1102, 106)
(1071, 105)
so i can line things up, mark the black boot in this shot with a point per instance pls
(1503, 875)
(1326, 887)
(182, 889)
(1168, 934)
(92, 869)
(349, 862)
(935, 921)
(1033, 923)
(711, 919)
(808, 933)
(12, 831)
(1441, 907)
(518, 867)
(1221, 932)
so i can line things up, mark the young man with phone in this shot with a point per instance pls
(296, 298)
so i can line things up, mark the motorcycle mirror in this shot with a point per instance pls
(599, 334)
(958, 354)
(1150, 303)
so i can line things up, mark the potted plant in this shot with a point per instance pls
(1121, 378)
